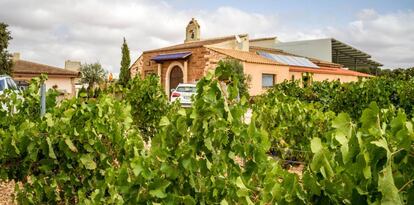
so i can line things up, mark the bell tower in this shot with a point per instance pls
(192, 31)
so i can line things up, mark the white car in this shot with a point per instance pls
(6, 82)
(183, 93)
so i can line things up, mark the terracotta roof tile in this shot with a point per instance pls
(195, 44)
(27, 67)
(245, 56)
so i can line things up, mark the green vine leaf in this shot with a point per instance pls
(70, 144)
(51, 151)
(87, 161)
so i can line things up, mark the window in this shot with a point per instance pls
(192, 34)
(306, 79)
(293, 77)
(186, 89)
(268, 80)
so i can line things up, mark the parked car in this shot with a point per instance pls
(183, 93)
(6, 82)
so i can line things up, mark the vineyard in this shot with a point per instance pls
(355, 142)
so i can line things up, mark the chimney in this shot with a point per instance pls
(72, 65)
(16, 57)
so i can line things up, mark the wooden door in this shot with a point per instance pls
(176, 77)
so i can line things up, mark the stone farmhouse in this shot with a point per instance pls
(262, 60)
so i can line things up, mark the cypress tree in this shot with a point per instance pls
(5, 61)
(125, 74)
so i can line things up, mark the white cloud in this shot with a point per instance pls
(388, 38)
(50, 31)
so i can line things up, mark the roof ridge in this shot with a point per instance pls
(277, 50)
(24, 66)
(259, 59)
(264, 38)
(42, 64)
(222, 37)
(198, 43)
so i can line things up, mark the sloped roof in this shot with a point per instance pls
(195, 44)
(324, 66)
(281, 52)
(245, 56)
(27, 67)
(348, 54)
(288, 60)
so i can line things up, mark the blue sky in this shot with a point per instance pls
(280, 5)
(306, 6)
(305, 13)
(50, 31)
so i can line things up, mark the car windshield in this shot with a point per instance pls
(2, 84)
(188, 89)
(11, 84)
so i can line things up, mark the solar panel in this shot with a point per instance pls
(289, 60)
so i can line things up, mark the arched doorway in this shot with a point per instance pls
(176, 77)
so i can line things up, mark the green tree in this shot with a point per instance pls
(234, 66)
(149, 103)
(5, 61)
(399, 73)
(125, 74)
(92, 74)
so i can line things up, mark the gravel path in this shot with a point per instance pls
(6, 192)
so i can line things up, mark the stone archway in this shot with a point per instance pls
(176, 77)
(178, 68)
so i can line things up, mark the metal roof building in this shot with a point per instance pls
(328, 49)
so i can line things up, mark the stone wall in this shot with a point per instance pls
(213, 58)
(201, 60)
(137, 66)
(199, 63)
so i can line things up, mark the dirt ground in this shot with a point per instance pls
(6, 192)
(297, 170)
